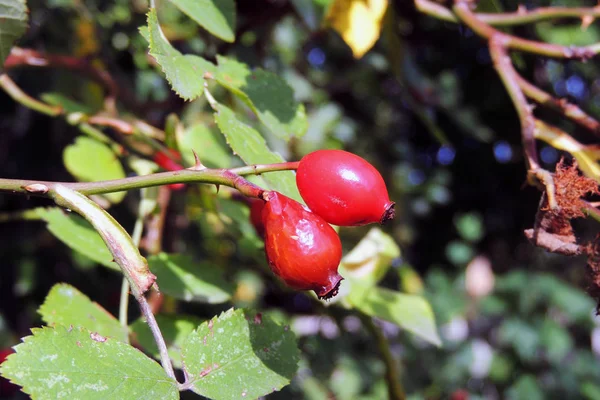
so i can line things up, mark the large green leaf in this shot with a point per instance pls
(67, 306)
(250, 146)
(371, 258)
(88, 160)
(216, 16)
(568, 35)
(68, 105)
(184, 72)
(208, 145)
(240, 354)
(13, 24)
(174, 328)
(410, 312)
(269, 96)
(79, 235)
(183, 278)
(74, 363)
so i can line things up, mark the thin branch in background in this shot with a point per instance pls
(114, 123)
(142, 131)
(15, 92)
(563, 106)
(152, 241)
(19, 57)
(462, 9)
(136, 236)
(392, 373)
(508, 74)
(31, 58)
(520, 17)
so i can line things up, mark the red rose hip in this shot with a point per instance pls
(343, 188)
(302, 248)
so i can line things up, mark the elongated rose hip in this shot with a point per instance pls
(301, 247)
(343, 188)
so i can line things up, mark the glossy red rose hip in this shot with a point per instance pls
(343, 188)
(302, 248)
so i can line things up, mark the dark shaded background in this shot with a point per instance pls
(422, 71)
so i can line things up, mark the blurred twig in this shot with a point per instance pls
(462, 9)
(392, 374)
(86, 123)
(152, 241)
(15, 92)
(507, 73)
(519, 17)
(563, 106)
(20, 57)
(136, 236)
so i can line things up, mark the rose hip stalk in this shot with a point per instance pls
(343, 188)
(302, 248)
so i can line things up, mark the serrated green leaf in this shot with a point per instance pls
(67, 306)
(145, 33)
(183, 278)
(174, 328)
(61, 363)
(79, 235)
(269, 96)
(88, 160)
(13, 24)
(240, 354)
(184, 72)
(208, 145)
(216, 16)
(410, 312)
(250, 146)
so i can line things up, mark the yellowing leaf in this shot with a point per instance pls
(587, 156)
(358, 22)
(371, 258)
(86, 42)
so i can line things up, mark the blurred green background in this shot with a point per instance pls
(426, 107)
